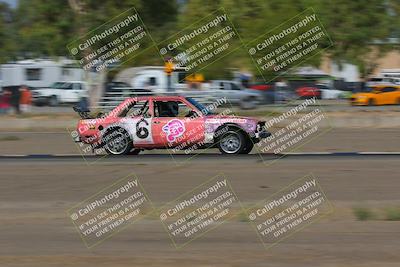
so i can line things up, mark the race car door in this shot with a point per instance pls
(136, 119)
(175, 125)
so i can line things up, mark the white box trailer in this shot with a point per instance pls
(39, 73)
(153, 78)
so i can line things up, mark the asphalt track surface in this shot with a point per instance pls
(336, 140)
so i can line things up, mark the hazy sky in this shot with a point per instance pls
(12, 3)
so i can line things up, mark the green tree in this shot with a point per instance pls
(43, 27)
(7, 28)
(355, 28)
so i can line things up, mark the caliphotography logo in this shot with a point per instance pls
(199, 211)
(289, 211)
(110, 211)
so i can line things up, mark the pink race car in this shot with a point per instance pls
(174, 122)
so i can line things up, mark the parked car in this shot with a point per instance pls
(60, 93)
(124, 90)
(379, 95)
(235, 93)
(383, 81)
(271, 94)
(308, 92)
(159, 122)
(117, 86)
(328, 92)
(261, 87)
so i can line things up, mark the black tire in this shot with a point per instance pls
(118, 142)
(371, 102)
(134, 151)
(249, 103)
(53, 101)
(39, 104)
(248, 148)
(232, 142)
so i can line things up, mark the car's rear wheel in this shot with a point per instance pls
(232, 142)
(53, 101)
(118, 142)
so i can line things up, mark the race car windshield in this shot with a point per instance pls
(203, 109)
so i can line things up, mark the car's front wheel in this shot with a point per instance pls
(248, 103)
(232, 142)
(248, 148)
(371, 102)
(118, 142)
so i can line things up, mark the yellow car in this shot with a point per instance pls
(379, 95)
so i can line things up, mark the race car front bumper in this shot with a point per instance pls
(263, 134)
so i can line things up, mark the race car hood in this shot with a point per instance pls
(231, 118)
(212, 122)
(363, 95)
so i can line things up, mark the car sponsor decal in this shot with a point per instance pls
(174, 129)
(225, 120)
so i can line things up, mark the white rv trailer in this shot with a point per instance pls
(39, 72)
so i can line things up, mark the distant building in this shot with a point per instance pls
(351, 73)
(389, 61)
